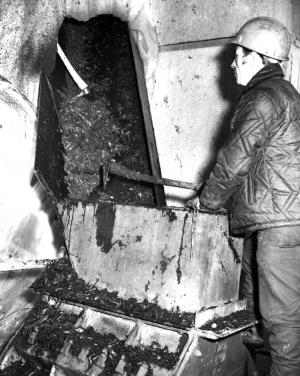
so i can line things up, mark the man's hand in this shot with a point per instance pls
(194, 204)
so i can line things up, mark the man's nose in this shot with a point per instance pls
(233, 65)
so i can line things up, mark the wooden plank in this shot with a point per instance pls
(19, 265)
(195, 44)
(149, 130)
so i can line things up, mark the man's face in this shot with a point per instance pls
(242, 66)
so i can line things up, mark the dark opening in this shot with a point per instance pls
(104, 126)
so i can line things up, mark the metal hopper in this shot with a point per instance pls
(179, 270)
(177, 258)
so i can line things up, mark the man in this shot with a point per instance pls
(257, 175)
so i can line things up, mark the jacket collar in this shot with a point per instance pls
(270, 70)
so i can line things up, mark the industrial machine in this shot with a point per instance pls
(143, 291)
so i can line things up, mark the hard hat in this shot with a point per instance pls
(265, 36)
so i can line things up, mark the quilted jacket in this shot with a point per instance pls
(257, 171)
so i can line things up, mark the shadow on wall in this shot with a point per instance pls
(229, 90)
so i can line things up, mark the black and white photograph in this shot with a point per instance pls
(150, 188)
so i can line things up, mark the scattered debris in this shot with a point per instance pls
(52, 336)
(107, 124)
(60, 280)
(47, 329)
(237, 319)
(25, 368)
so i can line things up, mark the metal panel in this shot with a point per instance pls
(221, 358)
(160, 198)
(49, 160)
(172, 257)
(191, 109)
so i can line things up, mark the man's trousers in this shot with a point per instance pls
(278, 261)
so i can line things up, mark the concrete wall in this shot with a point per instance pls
(195, 91)
(184, 21)
(28, 38)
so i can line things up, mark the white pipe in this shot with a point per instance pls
(78, 80)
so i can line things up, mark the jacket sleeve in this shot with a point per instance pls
(248, 134)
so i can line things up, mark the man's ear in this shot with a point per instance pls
(244, 59)
(249, 57)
